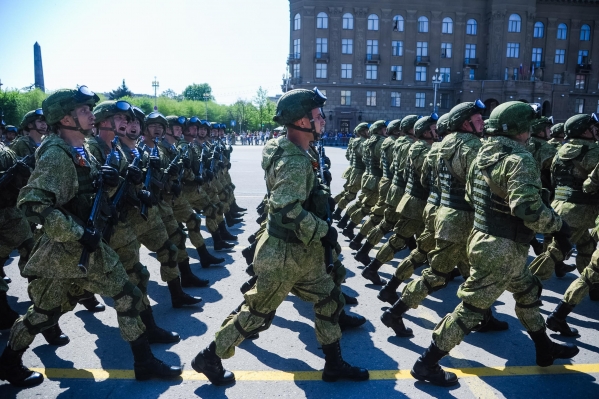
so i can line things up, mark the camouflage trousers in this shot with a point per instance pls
(582, 285)
(15, 232)
(200, 201)
(177, 237)
(390, 216)
(49, 295)
(185, 214)
(425, 242)
(497, 265)
(378, 210)
(284, 268)
(350, 189)
(404, 229)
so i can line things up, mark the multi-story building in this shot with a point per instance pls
(384, 59)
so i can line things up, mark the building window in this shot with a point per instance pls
(507, 74)
(372, 72)
(583, 57)
(537, 56)
(396, 72)
(397, 48)
(581, 82)
(346, 71)
(345, 97)
(322, 21)
(579, 106)
(297, 22)
(585, 33)
(562, 32)
(471, 74)
(515, 23)
(422, 49)
(513, 50)
(423, 24)
(371, 98)
(445, 50)
(373, 22)
(296, 70)
(372, 47)
(444, 101)
(515, 74)
(447, 26)
(321, 70)
(470, 51)
(296, 49)
(322, 46)
(398, 23)
(539, 29)
(445, 74)
(560, 56)
(471, 27)
(558, 78)
(395, 99)
(420, 74)
(348, 21)
(347, 46)
(420, 100)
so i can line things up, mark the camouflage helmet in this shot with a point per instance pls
(557, 130)
(296, 104)
(423, 124)
(394, 127)
(31, 117)
(538, 126)
(511, 118)
(360, 128)
(174, 120)
(156, 117)
(408, 122)
(60, 103)
(139, 115)
(463, 112)
(376, 127)
(442, 124)
(108, 109)
(576, 125)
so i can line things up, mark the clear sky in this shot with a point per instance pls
(233, 45)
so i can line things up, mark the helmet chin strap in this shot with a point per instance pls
(312, 125)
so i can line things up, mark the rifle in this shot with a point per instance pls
(201, 168)
(10, 173)
(328, 251)
(143, 210)
(93, 216)
(212, 160)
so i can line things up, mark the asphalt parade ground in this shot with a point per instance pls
(286, 360)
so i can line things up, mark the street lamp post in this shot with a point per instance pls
(155, 85)
(206, 97)
(437, 79)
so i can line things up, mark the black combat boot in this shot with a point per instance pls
(371, 272)
(594, 292)
(188, 279)
(349, 300)
(362, 255)
(91, 303)
(261, 218)
(393, 318)
(178, 297)
(427, 368)
(335, 367)
(548, 351)
(7, 315)
(411, 243)
(245, 287)
(219, 243)
(389, 292)
(3, 275)
(490, 323)
(155, 334)
(231, 219)
(250, 270)
(252, 238)
(356, 242)
(348, 231)
(347, 321)
(206, 258)
(343, 222)
(337, 214)
(561, 269)
(224, 233)
(13, 370)
(557, 320)
(208, 363)
(249, 251)
(146, 366)
(55, 337)
(537, 247)
(236, 207)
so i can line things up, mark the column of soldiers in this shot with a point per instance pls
(91, 183)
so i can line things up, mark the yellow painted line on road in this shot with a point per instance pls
(189, 375)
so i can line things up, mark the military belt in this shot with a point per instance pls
(502, 225)
(282, 233)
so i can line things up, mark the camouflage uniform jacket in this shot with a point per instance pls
(414, 199)
(23, 146)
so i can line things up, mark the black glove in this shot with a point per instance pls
(110, 176)
(155, 163)
(22, 169)
(199, 179)
(221, 164)
(91, 239)
(172, 170)
(330, 238)
(327, 177)
(562, 237)
(332, 204)
(186, 163)
(176, 189)
(145, 197)
(134, 175)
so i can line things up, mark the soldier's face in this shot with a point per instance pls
(319, 122)
(477, 121)
(133, 128)
(120, 123)
(85, 116)
(191, 133)
(202, 132)
(10, 136)
(547, 133)
(177, 131)
(155, 130)
(40, 125)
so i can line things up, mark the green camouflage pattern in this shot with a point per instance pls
(542, 151)
(580, 287)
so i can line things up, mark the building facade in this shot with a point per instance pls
(384, 59)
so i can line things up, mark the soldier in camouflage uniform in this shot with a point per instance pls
(573, 163)
(289, 256)
(412, 203)
(59, 196)
(234, 215)
(504, 187)
(401, 147)
(378, 211)
(557, 135)
(370, 180)
(35, 127)
(354, 174)
(10, 134)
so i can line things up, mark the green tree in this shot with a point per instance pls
(260, 101)
(196, 92)
(169, 93)
(122, 91)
